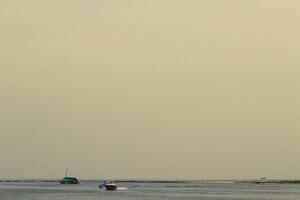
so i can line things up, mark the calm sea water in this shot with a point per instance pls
(187, 190)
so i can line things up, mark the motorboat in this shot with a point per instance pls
(108, 186)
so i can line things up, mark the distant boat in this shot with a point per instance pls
(69, 179)
(108, 186)
(261, 181)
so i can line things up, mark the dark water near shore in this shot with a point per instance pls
(150, 190)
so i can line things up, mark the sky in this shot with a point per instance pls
(140, 89)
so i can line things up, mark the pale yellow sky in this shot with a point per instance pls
(167, 89)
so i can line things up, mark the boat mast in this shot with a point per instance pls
(66, 172)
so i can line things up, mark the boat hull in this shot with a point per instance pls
(69, 180)
(70, 183)
(108, 186)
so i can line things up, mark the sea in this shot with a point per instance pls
(148, 190)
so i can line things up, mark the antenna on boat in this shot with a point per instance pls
(66, 172)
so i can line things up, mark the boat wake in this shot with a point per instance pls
(122, 188)
(119, 188)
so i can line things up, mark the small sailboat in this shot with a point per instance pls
(69, 179)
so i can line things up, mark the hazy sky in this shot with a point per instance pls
(166, 89)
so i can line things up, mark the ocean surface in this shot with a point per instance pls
(150, 190)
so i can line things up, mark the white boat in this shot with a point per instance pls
(108, 186)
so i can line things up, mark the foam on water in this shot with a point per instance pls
(122, 188)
